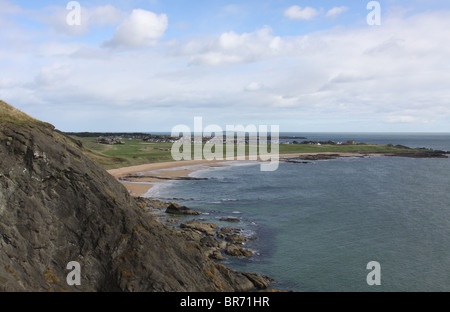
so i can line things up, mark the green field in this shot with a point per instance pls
(137, 152)
(132, 153)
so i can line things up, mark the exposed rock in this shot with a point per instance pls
(151, 203)
(236, 239)
(420, 154)
(227, 231)
(217, 255)
(295, 161)
(236, 251)
(408, 152)
(320, 157)
(212, 242)
(62, 207)
(261, 281)
(229, 219)
(191, 235)
(181, 210)
(206, 228)
(230, 230)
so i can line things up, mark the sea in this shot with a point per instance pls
(315, 227)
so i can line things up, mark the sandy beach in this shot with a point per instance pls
(179, 170)
(159, 173)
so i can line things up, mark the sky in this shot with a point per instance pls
(307, 66)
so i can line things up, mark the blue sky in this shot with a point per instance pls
(149, 65)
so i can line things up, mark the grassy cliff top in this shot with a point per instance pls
(15, 116)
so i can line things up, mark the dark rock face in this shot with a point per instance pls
(181, 210)
(58, 206)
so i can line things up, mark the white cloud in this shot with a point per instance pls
(140, 28)
(8, 83)
(253, 86)
(282, 101)
(395, 71)
(403, 119)
(51, 76)
(298, 13)
(407, 119)
(394, 77)
(233, 48)
(336, 11)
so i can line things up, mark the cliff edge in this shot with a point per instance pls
(58, 206)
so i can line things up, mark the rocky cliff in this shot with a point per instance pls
(58, 206)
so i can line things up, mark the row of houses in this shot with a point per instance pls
(349, 142)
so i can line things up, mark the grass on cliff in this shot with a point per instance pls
(137, 152)
(132, 153)
(17, 117)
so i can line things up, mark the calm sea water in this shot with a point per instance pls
(315, 227)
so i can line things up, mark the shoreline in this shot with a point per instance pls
(138, 185)
(159, 173)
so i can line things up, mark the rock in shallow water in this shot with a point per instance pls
(237, 239)
(181, 210)
(229, 219)
(236, 251)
